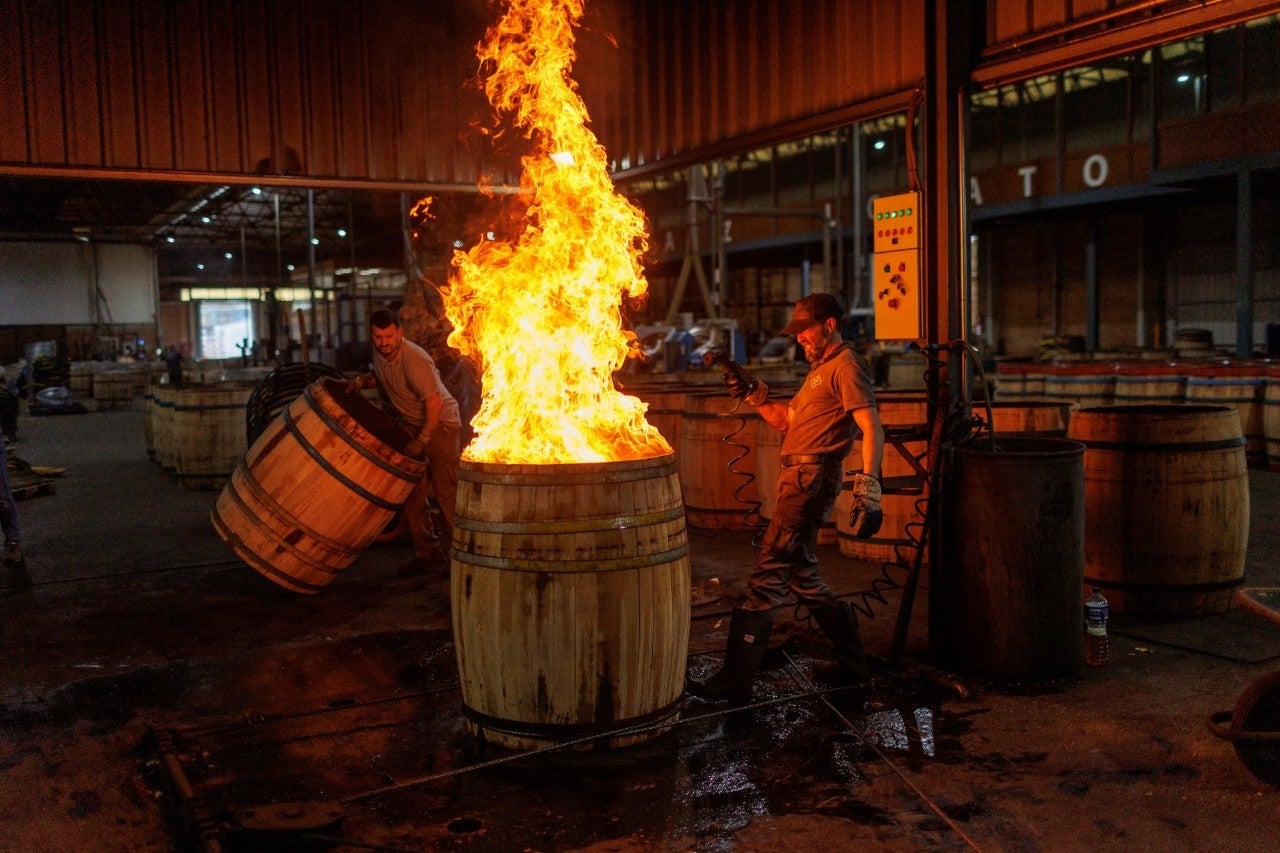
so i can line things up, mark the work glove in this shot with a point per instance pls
(743, 386)
(866, 516)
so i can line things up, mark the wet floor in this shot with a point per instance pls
(157, 694)
(336, 727)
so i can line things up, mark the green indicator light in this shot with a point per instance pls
(908, 211)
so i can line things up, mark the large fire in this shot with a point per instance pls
(541, 315)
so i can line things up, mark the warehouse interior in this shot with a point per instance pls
(244, 185)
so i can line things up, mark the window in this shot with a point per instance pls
(225, 327)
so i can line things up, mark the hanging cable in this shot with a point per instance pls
(957, 428)
(746, 478)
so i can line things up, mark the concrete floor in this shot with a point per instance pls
(142, 642)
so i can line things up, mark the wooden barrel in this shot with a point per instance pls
(1026, 418)
(896, 411)
(906, 371)
(1271, 417)
(1193, 343)
(1019, 380)
(149, 421)
(80, 380)
(1139, 382)
(320, 483)
(570, 597)
(1238, 384)
(113, 389)
(163, 398)
(717, 465)
(769, 469)
(666, 410)
(1080, 383)
(208, 432)
(1166, 505)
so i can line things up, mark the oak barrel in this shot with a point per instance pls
(113, 389)
(1029, 417)
(160, 416)
(1239, 384)
(1019, 380)
(1166, 504)
(666, 409)
(208, 432)
(717, 461)
(896, 410)
(570, 599)
(1271, 417)
(320, 483)
(1081, 383)
(1139, 382)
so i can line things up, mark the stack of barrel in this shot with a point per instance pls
(196, 431)
(1168, 445)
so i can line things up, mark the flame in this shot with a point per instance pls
(541, 314)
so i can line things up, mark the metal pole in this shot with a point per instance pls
(1091, 286)
(833, 284)
(1244, 263)
(311, 254)
(859, 258)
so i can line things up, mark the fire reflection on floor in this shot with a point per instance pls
(323, 726)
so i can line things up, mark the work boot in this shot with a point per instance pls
(748, 640)
(841, 627)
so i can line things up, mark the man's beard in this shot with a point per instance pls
(815, 350)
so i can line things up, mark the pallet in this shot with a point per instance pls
(27, 480)
(24, 486)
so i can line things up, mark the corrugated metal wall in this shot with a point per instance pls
(1026, 38)
(691, 76)
(354, 89)
(375, 90)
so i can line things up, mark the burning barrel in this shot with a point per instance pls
(316, 488)
(570, 596)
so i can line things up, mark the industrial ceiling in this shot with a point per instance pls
(135, 121)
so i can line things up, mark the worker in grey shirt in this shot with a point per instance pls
(407, 379)
(818, 426)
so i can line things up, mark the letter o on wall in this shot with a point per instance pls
(1094, 171)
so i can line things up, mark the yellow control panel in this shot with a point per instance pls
(896, 267)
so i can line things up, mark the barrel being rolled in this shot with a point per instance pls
(1166, 506)
(570, 598)
(316, 488)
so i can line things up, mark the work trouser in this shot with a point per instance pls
(788, 560)
(440, 482)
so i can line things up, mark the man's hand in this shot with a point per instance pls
(743, 386)
(415, 448)
(866, 517)
(737, 388)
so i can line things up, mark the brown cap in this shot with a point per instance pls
(811, 309)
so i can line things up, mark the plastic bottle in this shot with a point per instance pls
(1097, 647)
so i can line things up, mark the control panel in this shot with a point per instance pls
(895, 274)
